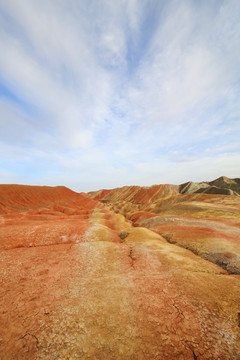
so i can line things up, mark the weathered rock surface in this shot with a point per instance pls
(78, 281)
(196, 216)
(222, 185)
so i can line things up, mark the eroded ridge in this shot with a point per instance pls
(79, 281)
(202, 217)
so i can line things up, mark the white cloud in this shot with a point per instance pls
(185, 70)
(53, 68)
(116, 92)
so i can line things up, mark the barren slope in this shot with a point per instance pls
(78, 281)
(207, 224)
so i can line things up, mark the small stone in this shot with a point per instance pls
(123, 235)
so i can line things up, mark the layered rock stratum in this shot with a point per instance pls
(197, 216)
(130, 273)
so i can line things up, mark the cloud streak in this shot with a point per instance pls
(102, 94)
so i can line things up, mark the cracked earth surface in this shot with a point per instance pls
(71, 288)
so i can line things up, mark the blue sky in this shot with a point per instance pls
(101, 94)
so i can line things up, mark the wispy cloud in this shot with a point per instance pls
(107, 93)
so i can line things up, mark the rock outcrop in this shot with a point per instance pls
(197, 216)
(222, 186)
(79, 281)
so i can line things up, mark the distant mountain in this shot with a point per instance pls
(144, 194)
(222, 186)
(137, 195)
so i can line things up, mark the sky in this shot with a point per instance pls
(101, 93)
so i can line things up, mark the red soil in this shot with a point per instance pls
(208, 224)
(136, 194)
(72, 288)
(141, 215)
(15, 198)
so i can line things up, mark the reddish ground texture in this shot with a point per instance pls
(207, 224)
(73, 288)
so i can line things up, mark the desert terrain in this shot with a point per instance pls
(134, 273)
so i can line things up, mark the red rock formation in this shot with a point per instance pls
(207, 224)
(72, 287)
(136, 194)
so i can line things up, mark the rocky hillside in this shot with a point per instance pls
(16, 198)
(197, 216)
(144, 194)
(111, 279)
(222, 186)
